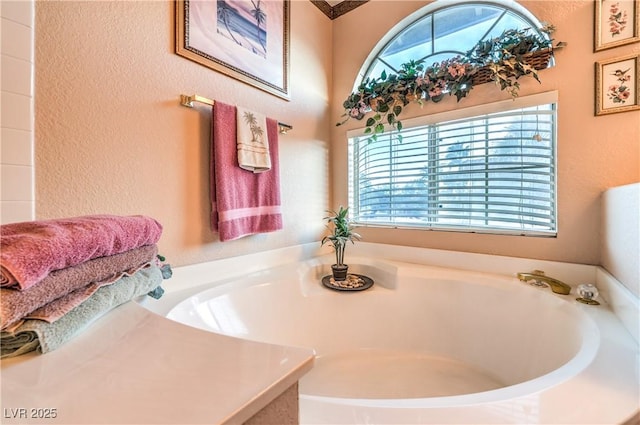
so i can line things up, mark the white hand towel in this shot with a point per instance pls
(253, 146)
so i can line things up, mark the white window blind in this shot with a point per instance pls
(493, 172)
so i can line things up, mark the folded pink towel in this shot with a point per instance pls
(242, 202)
(53, 311)
(53, 289)
(36, 334)
(29, 251)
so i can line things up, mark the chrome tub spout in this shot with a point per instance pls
(539, 277)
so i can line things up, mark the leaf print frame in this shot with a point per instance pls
(617, 85)
(617, 22)
(247, 40)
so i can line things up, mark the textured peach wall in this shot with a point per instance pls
(111, 137)
(594, 153)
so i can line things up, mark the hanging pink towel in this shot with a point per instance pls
(242, 203)
(30, 250)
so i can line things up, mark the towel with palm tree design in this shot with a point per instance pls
(253, 146)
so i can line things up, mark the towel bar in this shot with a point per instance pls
(189, 100)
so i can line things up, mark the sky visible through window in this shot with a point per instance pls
(445, 33)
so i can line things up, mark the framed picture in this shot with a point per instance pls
(617, 22)
(245, 39)
(617, 83)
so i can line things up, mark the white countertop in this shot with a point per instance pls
(134, 366)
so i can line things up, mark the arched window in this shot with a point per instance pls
(445, 29)
(489, 168)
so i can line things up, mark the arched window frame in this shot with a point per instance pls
(430, 206)
(430, 10)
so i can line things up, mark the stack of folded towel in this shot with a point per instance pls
(59, 276)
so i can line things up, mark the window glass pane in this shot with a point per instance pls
(509, 21)
(459, 28)
(412, 43)
(378, 67)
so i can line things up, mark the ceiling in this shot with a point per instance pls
(336, 8)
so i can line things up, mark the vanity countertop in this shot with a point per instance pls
(134, 366)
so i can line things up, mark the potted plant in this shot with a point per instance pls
(341, 232)
(514, 54)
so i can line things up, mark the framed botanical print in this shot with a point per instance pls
(617, 83)
(617, 22)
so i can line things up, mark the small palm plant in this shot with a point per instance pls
(341, 233)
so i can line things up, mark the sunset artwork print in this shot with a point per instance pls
(245, 39)
(616, 23)
(243, 22)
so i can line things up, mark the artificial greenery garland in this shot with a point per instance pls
(504, 59)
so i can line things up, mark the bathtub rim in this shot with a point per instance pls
(190, 279)
(586, 352)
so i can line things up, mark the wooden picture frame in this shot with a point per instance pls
(618, 85)
(617, 22)
(245, 39)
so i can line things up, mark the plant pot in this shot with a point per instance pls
(538, 60)
(339, 271)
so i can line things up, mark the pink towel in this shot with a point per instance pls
(242, 203)
(30, 250)
(15, 305)
(54, 310)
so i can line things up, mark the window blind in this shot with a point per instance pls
(492, 172)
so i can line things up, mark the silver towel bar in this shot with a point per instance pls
(189, 100)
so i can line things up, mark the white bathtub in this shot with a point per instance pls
(431, 345)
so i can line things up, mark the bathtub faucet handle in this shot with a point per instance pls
(539, 278)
